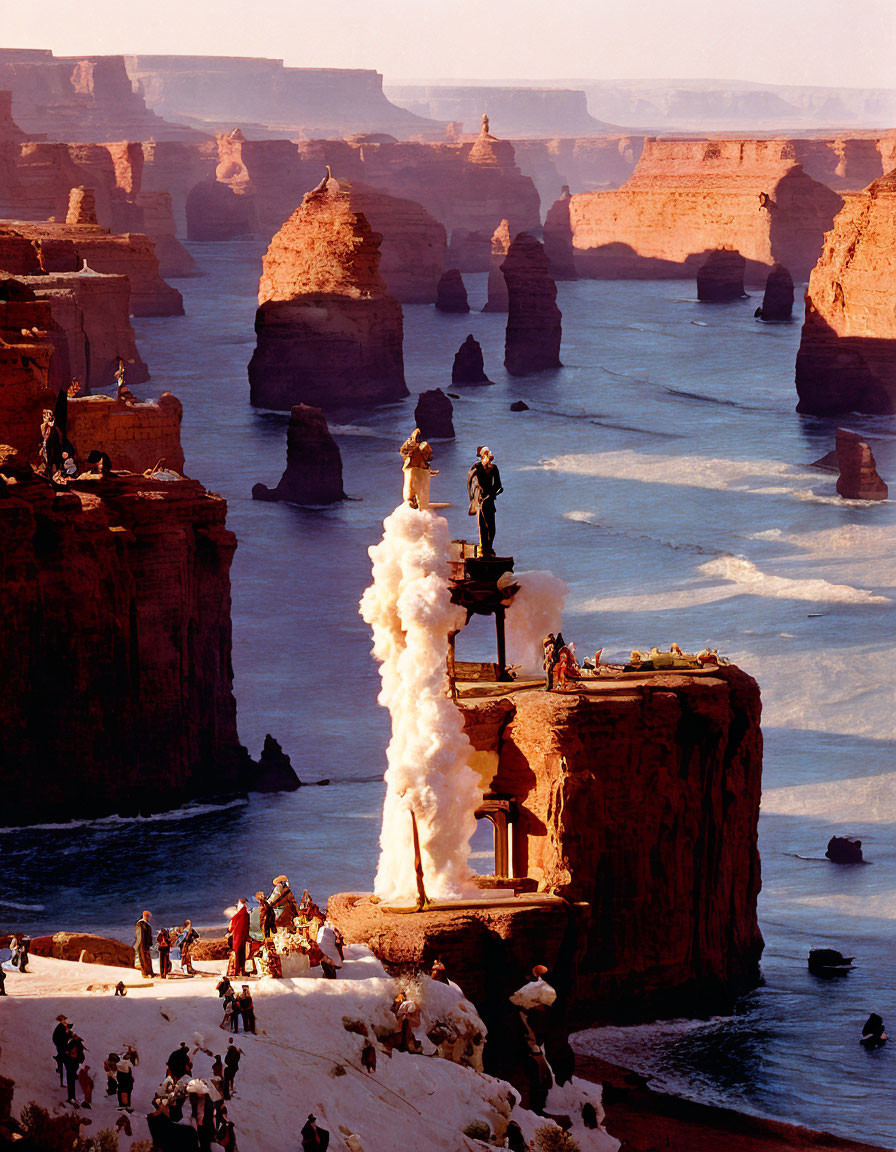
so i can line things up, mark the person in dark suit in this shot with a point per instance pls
(142, 945)
(483, 487)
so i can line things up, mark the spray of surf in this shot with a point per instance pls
(409, 609)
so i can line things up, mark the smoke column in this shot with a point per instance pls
(409, 609)
(534, 611)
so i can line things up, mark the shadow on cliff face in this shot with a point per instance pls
(800, 213)
(838, 374)
(619, 261)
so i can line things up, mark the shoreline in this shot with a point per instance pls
(646, 1120)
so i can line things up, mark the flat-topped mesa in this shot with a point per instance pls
(497, 285)
(534, 329)
(689, 197)
(313, 462)
(847, 356)
(115, 679)
(66, 247)
(328, 333)
(79, 98)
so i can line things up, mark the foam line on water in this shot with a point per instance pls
(864, 799)
(189, 812)
(744, 573)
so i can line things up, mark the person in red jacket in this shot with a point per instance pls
(239, 938)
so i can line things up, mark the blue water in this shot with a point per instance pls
(663, 473)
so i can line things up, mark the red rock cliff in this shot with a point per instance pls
(643, 801)
(847, 356)
(690, 197)
(114, 646)
(328, 333)
(532, 342)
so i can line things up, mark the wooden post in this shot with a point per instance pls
(502, 655)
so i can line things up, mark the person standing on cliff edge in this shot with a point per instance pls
(142, 945)
(484, 486)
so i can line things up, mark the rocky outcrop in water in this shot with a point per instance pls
(432, 415)
(313, 462)
(497, 285)
(858, 479)
(558, 238)
(777, 302)
(690, 197)
(847, 356)
(469, 366)
(533, 318)
(114, 646)
(720, 278)
(452, 295)
(328, 333)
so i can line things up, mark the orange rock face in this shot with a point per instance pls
(328, 333)
(847, 356)
(643, 802)
(94, 949)
(114, 645)
(858, 479)
(689, 197)
(497, 285)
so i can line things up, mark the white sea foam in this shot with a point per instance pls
(749, 578)
(188, 812)
(865, 799)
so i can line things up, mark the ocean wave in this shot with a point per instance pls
(591, 519)
(744, 573)
(17, 907)
(360, 430)
(189, 812)
(683, 394)
(860, 799)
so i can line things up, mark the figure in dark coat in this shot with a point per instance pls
(142, 945)
(484, 486)
(314, 1139)
(163, 940)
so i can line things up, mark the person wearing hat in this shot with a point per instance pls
(267, 918)
(284, 903)
(110, 1067)
(247, 1009)
(142, 945)
(314, 1139)
(185, 942)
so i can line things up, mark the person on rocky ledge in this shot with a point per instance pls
(484, 487)
(142, 945)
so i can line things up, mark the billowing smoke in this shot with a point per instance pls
(534, 611)
(408, 606)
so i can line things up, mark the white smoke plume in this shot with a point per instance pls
(535, 610)
(408, 606)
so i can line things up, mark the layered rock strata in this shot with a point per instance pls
(533, 319)
(452, 295)
(469, 366)
(114, 645)
(558, 238)
(777, 301)
(689, 197)
(847, 356)
(432, 415)
(412, 250)
(720, 278)
(55, 248)
(497, 285)
(328, 333)
(313, 462)
(858, 479)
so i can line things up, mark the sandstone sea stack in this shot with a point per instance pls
(432, 415)
(558, 238)
(777, 302)
(469, 366)
(313, 462)
(328, 333)
(720, 278)
(858, 479)
(497, 285)
(452, 295)
(847, 356)
(533, 318)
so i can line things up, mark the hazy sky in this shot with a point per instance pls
(774, 41)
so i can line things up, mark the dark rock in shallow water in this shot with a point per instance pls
(777, 303)
(433, 415)
(452, 295)
(519, 406)
(720, 277)
(313, 462)
(829, 962)
(858, 479)
(534, 322)
(275, 770)
(469, 366)
(845, 850)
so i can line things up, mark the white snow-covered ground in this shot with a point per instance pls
(289, 1069)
